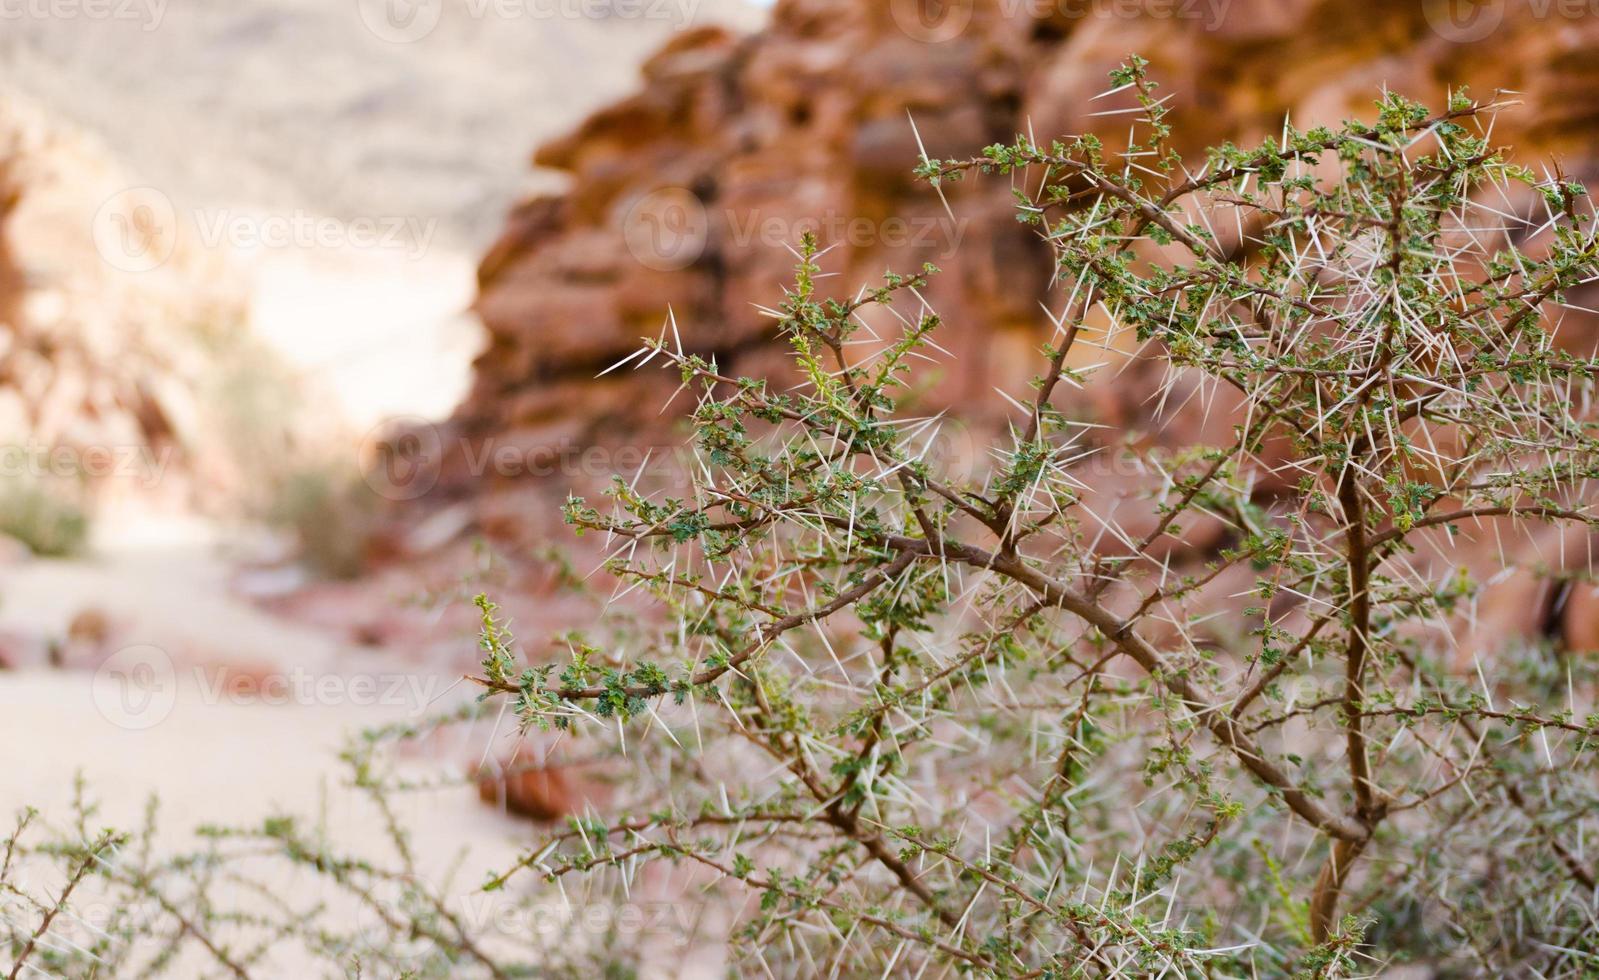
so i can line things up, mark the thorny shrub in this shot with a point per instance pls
(906, 726)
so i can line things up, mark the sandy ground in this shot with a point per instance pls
(229, 763)
(154, 720)
(235, 764)
(160, 586)
(216, 754)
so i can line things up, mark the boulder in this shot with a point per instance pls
(534, 782)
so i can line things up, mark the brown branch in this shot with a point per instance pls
(766, 635)
(858, 914)
(1219, 722)
(98, 848)
(1359, 558)
(1329, 885)
(1550, 513)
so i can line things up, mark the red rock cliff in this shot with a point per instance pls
(684, 195)
(105, 370)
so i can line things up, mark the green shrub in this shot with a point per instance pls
(292, 469)
(995, 730)
(47, 517)
(903, 726)
(330, 512)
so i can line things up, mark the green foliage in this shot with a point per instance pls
(79, 900)
(1206, 712)
(46, 516)
(330, 511)
(1023, 739)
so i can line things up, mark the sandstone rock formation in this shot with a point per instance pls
(684, 195)
(538, 781)
(107, 368)
(11, 282)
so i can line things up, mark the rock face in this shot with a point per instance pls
(684, 195)
(106, 364)
(537, 782)
(10, 276)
